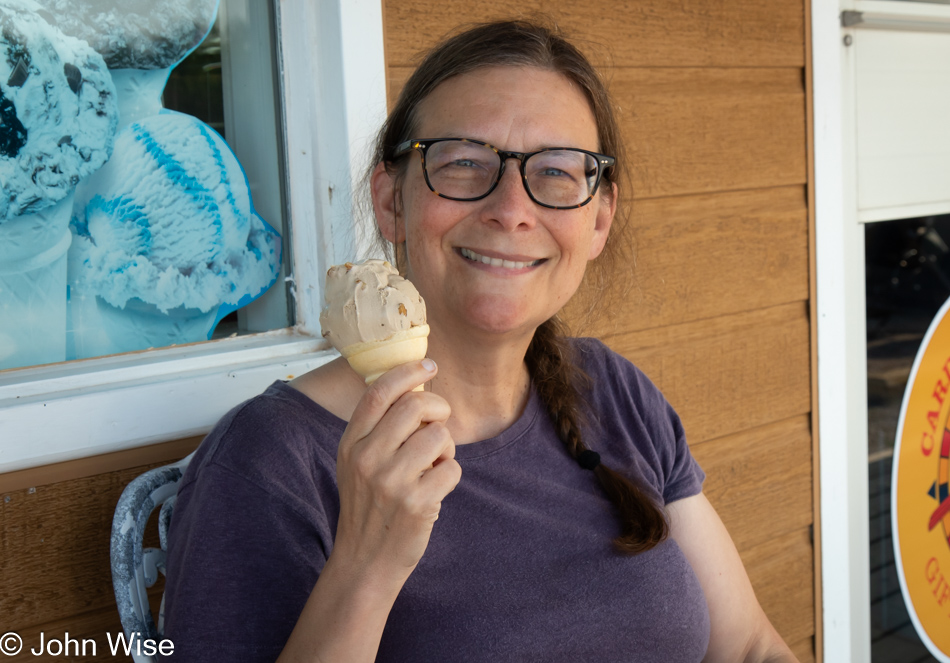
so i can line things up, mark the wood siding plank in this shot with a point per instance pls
(95, 625)
(781, 572)
(643, 33)
(704, 256)
(804, 650)
(759, 480)
(165, 452)
(54, 548)
(698, 130)
(728, 374)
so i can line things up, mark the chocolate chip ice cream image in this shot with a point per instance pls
(58, 113)
(134, 34)
(58, 118)
(140, 41)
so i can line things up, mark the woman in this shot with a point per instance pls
(306, 525)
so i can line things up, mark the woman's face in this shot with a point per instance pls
(519, 109)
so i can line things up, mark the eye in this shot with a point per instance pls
(460, 158)
(556, 165)
(465, 163)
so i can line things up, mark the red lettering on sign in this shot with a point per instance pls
(933, 568)
(927, 444)
(944, 595)
(932, 419)
(940, 390)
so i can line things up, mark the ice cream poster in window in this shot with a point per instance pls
(920, 493)
(163, 240)
(58, 118)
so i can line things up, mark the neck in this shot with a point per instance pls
(485, 381)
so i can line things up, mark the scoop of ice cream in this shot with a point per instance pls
(58, 112)
(369, 301)
(135, 34)
(169, 220)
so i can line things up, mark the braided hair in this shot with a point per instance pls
(558, 379)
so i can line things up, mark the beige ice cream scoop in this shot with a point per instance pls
(374, 317)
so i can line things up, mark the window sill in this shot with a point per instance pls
(61, 412)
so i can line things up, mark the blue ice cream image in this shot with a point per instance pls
(166, 239)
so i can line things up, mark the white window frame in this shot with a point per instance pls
(333, 82)
(842, 344)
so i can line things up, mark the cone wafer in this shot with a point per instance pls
(373, 358)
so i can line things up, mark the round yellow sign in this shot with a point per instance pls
(920, 503)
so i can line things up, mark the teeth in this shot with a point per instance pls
(497, 262)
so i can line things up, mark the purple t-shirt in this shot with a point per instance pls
(519, 566)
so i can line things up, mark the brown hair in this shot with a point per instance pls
(560, 383)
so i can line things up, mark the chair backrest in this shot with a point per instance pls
(135, 569)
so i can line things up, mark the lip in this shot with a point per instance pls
(497, 255)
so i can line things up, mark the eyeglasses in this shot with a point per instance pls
(466, 169)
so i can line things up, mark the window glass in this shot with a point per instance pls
(131, 217)
(908, 279)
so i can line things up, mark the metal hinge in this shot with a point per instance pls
(851, 18)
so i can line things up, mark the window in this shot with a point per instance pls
(907, 269)
(330, 80)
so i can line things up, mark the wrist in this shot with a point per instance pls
(370, 583)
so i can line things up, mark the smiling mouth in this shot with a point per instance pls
(468, 254)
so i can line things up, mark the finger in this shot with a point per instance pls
(407, 417)
(442, 478)
(423, 449)
(380, 396)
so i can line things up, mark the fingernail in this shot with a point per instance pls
(429, 365)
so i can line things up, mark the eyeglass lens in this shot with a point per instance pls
(465, 170)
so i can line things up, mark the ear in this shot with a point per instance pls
(605, 217)
(385, 205)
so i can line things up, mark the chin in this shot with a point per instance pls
(495, 318)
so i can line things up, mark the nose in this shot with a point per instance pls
(509, 204)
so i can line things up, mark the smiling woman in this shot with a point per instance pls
(533, 451)
(507, 225)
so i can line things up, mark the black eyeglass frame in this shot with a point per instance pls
(423, 144)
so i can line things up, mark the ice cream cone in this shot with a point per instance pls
(373, 358)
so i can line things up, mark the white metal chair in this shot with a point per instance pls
(135, 569)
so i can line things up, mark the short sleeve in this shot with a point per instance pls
(683, 475)
(252, 529)
(241, 567)
(637, 426)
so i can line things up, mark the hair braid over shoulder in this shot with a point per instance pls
(560, 382)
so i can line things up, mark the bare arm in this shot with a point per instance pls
(739, 629)
(392, 477)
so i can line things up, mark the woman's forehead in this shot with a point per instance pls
(502, 103)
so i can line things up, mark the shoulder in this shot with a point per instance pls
(634, 423)
(280, 442)
(614, 376)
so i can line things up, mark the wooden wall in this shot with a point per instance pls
(713, 105)
(54, 547)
